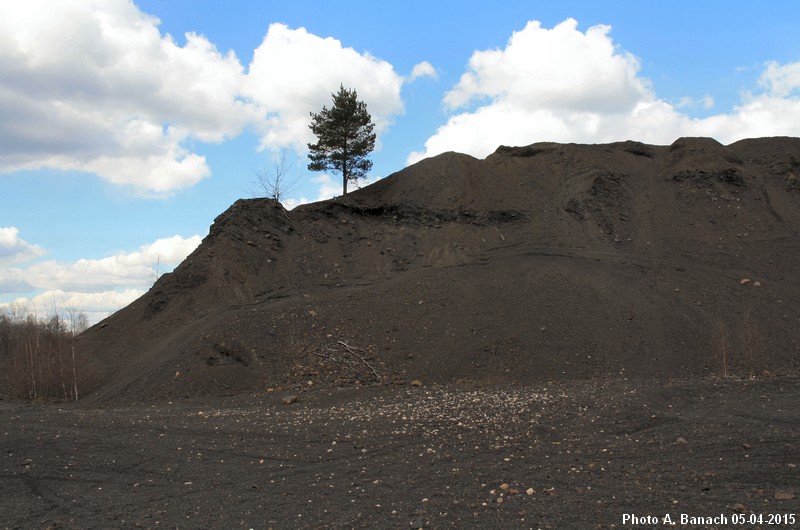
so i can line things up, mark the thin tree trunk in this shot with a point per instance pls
(74, 371)
(31, 370)
(344, 170)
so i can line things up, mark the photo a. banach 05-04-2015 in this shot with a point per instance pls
(786, 520)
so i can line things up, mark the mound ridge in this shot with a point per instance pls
(539, 262)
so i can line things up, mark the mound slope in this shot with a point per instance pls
(540, 262)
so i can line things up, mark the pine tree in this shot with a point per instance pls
(345, 137)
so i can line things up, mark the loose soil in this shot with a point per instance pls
(445, 456)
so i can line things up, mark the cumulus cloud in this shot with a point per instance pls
(92, 85)
(14, 249)
(95, 285)
(423, 69)
(781, 80)
(120, 270)
(565, 85)
(555, 68)
(294, 71)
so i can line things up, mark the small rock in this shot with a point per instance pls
(500, 500)
(747, 447)
(739, 508)
(783, 495)
(416, 382)
(757, 283)
(530, 491)
(504, 486)
(744, 281)
(681, 441)
(288, 400)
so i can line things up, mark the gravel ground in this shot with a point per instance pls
(560, 455)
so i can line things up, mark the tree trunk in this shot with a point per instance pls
(344, 170)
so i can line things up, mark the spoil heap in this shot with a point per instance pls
(540, 262)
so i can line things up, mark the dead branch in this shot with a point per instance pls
(359, 357)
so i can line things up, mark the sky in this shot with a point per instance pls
(126, 127)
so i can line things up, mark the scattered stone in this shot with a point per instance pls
(757, 283)
(681, 440)
(504, 486)
(739, 508)
(784, 495)
(747, 447)
(500, 500)
(744, 281)
(416, 382)
(288, 400)
(530, 491)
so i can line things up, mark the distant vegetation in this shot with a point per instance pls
(38, 354)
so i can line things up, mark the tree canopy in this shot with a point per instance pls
(345, 137)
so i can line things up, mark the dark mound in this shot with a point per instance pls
(540, 262)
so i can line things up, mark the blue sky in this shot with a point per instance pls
(125, 128)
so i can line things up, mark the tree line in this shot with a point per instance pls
(39, 358)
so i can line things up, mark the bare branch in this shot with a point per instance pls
(275, 182)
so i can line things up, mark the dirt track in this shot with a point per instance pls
(454, 456)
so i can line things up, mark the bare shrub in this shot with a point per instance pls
(742, 353)
(722, 346)
(274, 182)
(751, 345)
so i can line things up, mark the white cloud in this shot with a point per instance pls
(781, 80)
(565, 85)
(14, 249)
(328, 188)
(293, 72)
(99, 285)
(423, 69)
(120, 270)
(93, 85)
(558, 68)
